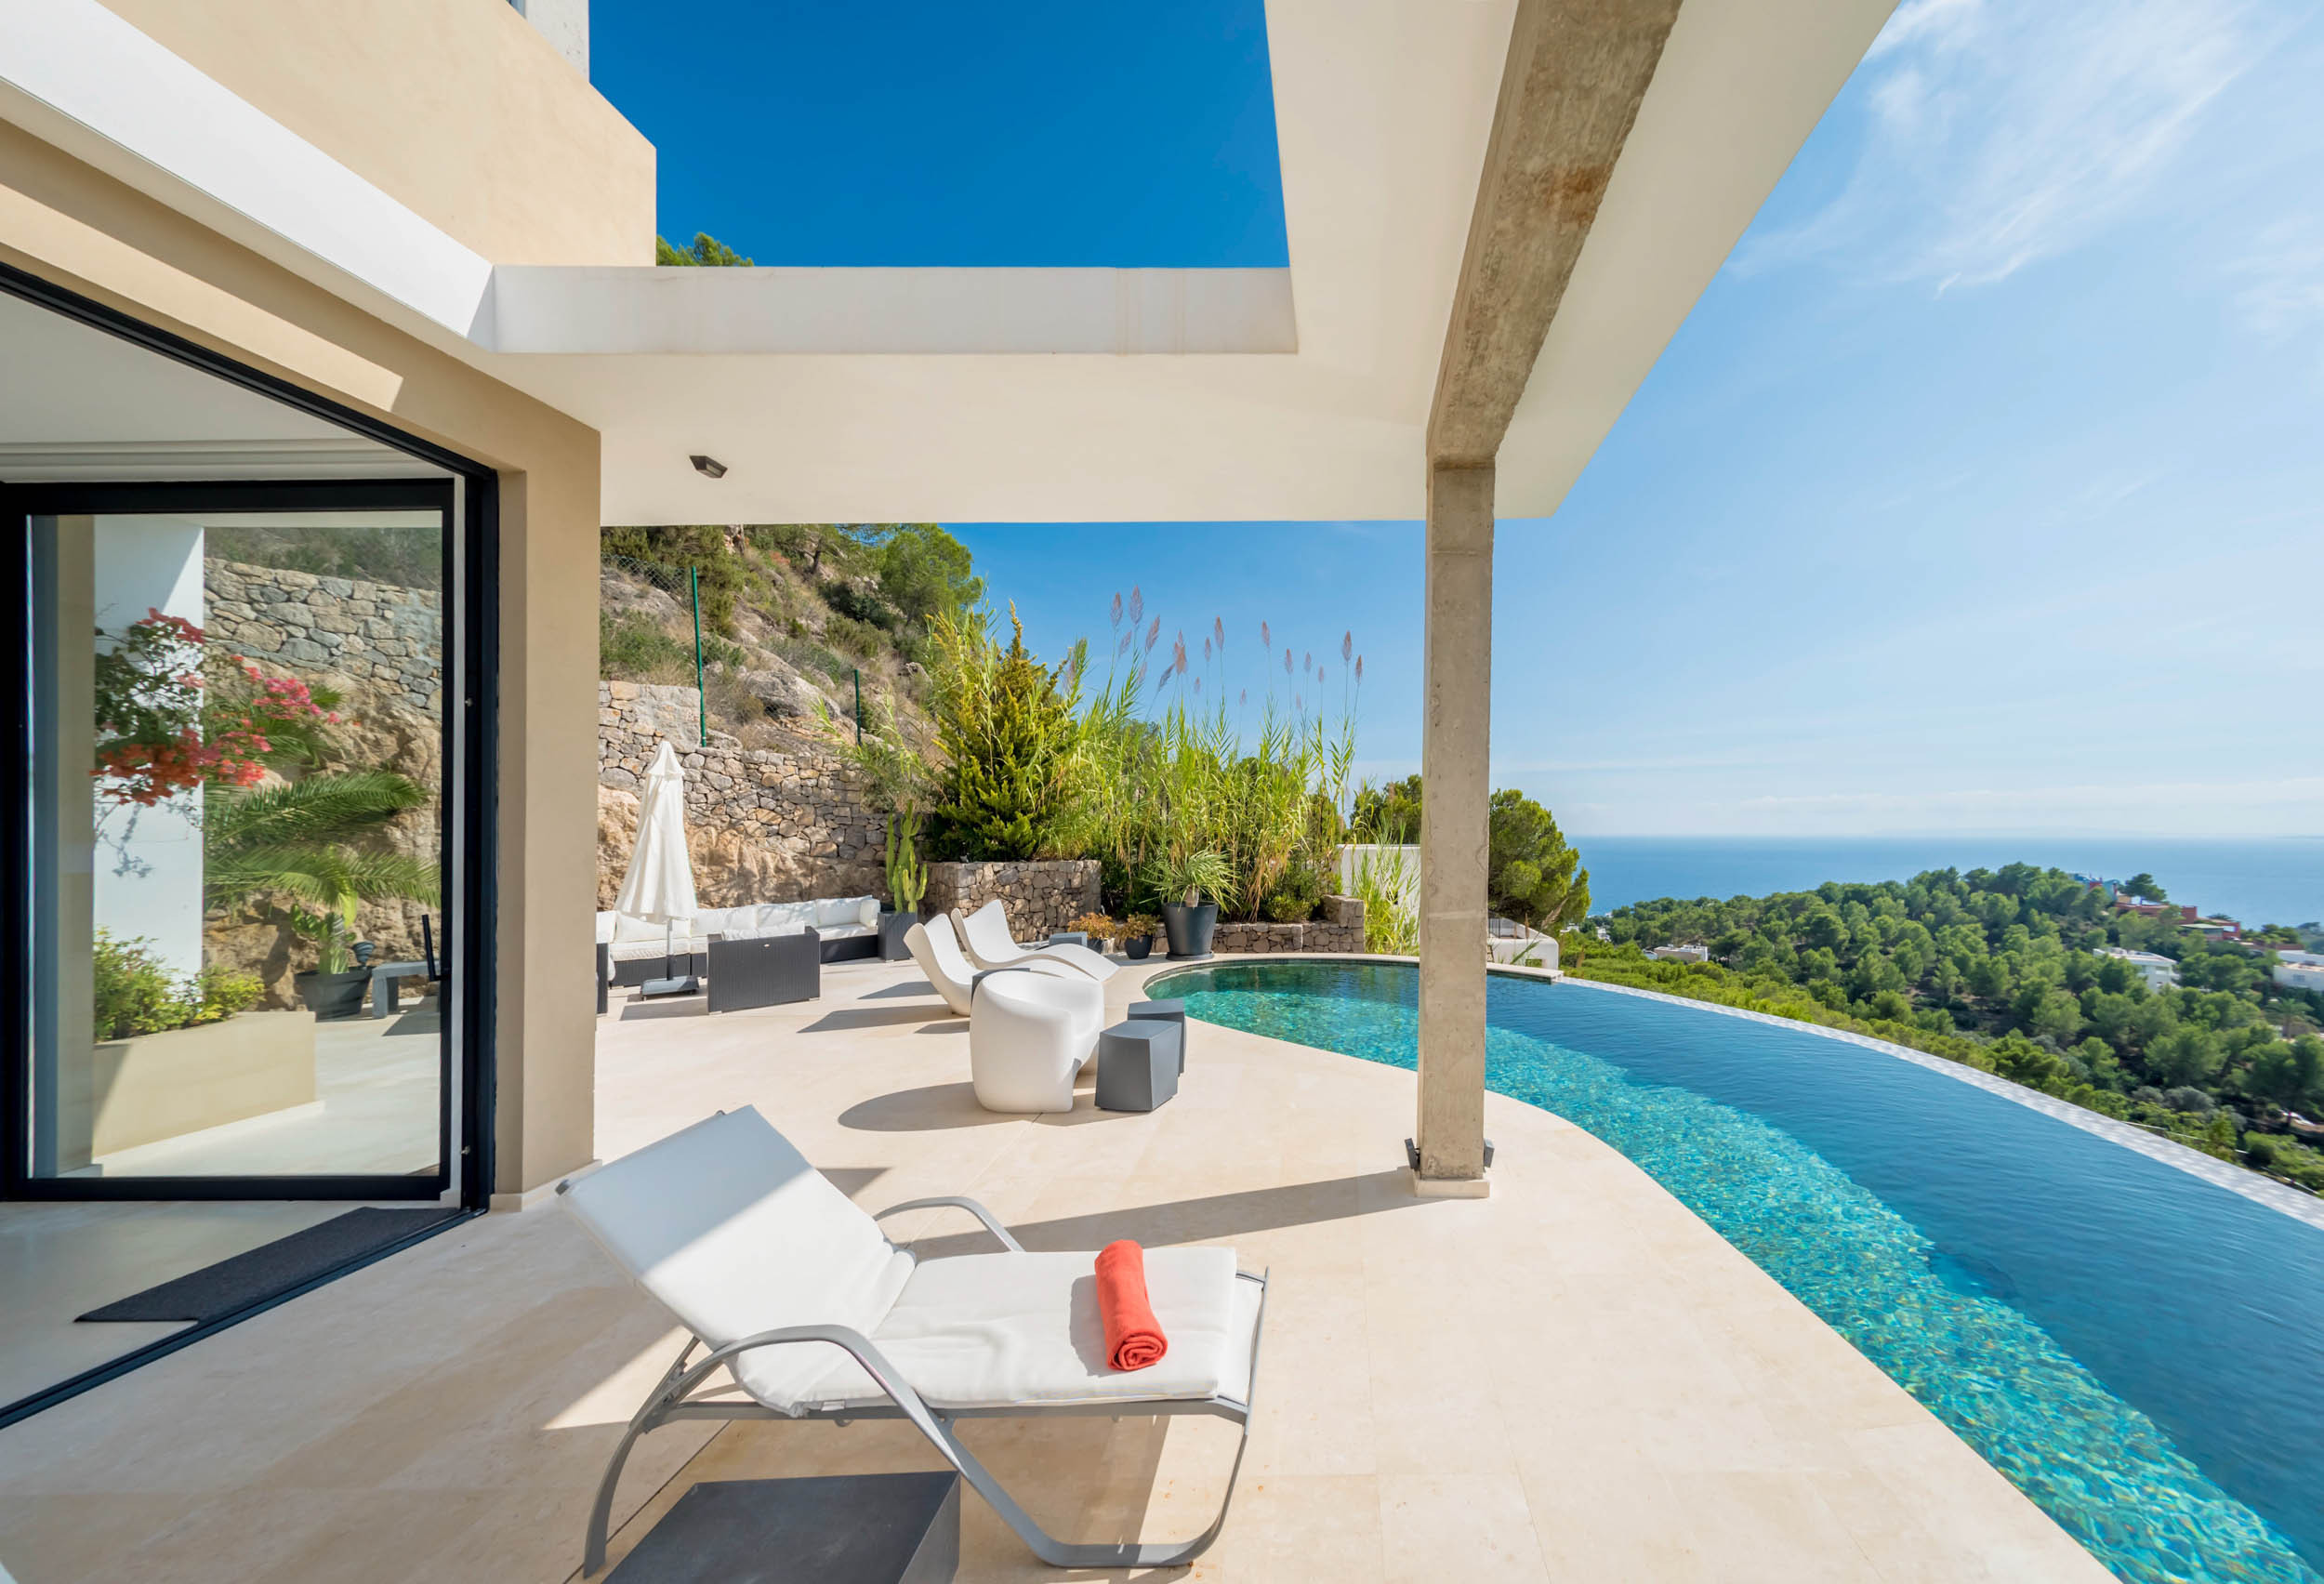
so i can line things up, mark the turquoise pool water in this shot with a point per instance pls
(2139, 1351)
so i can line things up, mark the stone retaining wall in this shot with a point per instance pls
(1339, 929)
(383, 639)
(763, 825)
(1040, 895)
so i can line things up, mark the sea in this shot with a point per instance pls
(2255, 881)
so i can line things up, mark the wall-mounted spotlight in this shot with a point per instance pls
(709, 467)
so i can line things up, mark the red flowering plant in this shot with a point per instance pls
(172, 718)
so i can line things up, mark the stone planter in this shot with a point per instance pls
(893, 926)
(333, 995)
(160, 1086)
(1190, 928)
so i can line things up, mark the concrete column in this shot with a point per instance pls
(545, 1114)
(1455, 744)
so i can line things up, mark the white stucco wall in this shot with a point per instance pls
(148, 861)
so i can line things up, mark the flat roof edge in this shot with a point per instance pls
(711, 311)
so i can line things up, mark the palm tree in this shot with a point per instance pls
(295, 842)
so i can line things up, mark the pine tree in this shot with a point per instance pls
(1008, 735)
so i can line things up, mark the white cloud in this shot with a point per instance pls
(1940, 22)
(2000, 134)
(2281, 279)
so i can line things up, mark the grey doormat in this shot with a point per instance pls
(836, 1529)
(283, 1266)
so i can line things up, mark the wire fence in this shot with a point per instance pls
(682, 584)
(645, 647)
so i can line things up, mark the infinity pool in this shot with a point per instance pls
(2139, 1351)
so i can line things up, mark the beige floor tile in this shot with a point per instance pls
(1572, 1379)
(1473, 1527)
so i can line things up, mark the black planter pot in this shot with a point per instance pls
(892, 926)
(1135, 947)
(333, 995)
(1190, 928)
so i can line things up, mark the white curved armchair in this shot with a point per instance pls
(985, 935)
(1028, 1035)
(937, 950)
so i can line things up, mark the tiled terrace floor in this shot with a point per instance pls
(1572, 1380)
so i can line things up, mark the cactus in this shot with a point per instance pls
(908, 877)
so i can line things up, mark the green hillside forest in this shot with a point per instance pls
(2002, 970)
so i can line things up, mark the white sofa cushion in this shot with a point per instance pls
(784, 917)
(628, 927)
(867, 911)
(1001, 1330)
(605, 928)
(836, 911)
(647, 951)
(734, 1232)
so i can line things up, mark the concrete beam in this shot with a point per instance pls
(1576, 74)
(1456, 691)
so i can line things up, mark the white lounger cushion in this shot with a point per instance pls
(735, 1233)
(1015, 1331)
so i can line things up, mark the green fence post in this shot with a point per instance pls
(859, 702)
(702, 698)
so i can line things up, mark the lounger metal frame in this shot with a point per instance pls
(670, 1401)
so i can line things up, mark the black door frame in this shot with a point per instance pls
(471, 550)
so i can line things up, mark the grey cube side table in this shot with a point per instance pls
(1138, 1064)
(1170, 1009)
(829, 1529)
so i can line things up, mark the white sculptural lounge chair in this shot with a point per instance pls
(937, 950)
(795, 1290)
(985, 934)
(1028, 1035)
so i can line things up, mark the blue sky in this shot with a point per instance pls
(1983, 490)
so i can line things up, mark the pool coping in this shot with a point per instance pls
(2264, 1191)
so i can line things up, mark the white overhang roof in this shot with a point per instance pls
(1039, 394)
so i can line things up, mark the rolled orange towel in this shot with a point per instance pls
(1133, 1337)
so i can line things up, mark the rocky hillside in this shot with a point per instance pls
(792, 618)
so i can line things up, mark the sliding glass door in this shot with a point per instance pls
(242, 823)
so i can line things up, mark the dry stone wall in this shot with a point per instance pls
(1339, 929)
(762, 824)
(1040, 895)
(379, 641)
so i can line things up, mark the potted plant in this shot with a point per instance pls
(1137, 935)
(1101, 929)
(1183, 880)
(907, 882)
(332, 988)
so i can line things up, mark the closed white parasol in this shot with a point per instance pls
(659, 886)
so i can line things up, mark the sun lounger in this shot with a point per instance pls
(937, 950)
(985, 935)
(795, 1290)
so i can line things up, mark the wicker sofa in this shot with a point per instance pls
(848, 926)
